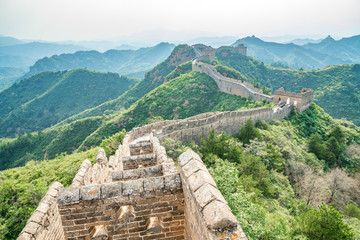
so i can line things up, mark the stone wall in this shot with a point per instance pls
(45, 222)
(207, 215)
(301, 101)
(191, 129)
(149, 208)
(229, 85)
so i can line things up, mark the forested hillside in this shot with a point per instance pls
(182, 97)
(49, 97)
(8, 75)
(272, 179)
(275, 176)
(276, 182)
(336, 88)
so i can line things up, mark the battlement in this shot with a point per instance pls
(301, 101)
(207, 53)
(229, 85)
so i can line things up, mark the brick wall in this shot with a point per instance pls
(149, 208)
(45, 222)
(229, 85)
(207, 215)
(301, 101)
(190, 129)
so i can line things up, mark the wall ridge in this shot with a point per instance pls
(230, 85)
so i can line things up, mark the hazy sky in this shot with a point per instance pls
(105, 19)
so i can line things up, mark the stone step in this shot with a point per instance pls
(139, 161)
(139, 148)
(133, 174)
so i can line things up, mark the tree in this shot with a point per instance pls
(333, 147)
(249, 132)
(338, 134)
(254, 176)
(317, 146)
(325, 224)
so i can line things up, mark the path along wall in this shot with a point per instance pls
(229, 85)
(191, 129)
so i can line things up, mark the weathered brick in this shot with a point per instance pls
(68, 196)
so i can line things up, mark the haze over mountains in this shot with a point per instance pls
(126, 62)
(308, 56)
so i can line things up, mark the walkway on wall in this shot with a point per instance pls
(246, 88)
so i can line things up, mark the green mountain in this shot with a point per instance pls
(49, 97)
(9, 75)
(152, 79)
(125, 62)
(345, 48)
(266, 183)
(290, 55)
(336, 88)
(175, 99)
(273, 183)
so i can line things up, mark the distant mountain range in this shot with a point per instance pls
(49, 97)
(308, 56)
(134, 63)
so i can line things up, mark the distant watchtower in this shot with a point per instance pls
(241, 49)
(301, 101)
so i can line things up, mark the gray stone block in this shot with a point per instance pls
(68, 196)
(131, 174)
(172, 182)
(187, 156)
(208, 193)
(133, 187)
(111, 190)
(192, 166)
(217, 215)
(91, 192)
(117, 176)
(152, 171)
(154, 184)
(198, 179)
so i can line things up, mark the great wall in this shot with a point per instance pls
(141, 193)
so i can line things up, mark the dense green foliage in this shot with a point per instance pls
(21, 189)
(111, 144)
(8, 76)
(325, 223)
(47, 98)
(182, 97)
(336, 88)
(153, 79)
(118, 61)
(269, 183)
(46, 144)
(248, 132)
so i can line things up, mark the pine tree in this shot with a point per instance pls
(249, 132)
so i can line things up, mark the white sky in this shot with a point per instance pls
(105, 19)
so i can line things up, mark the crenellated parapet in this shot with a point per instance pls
(207, 213)
(141, 193)
(230, 85)
(301, 101)
(45, 223)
